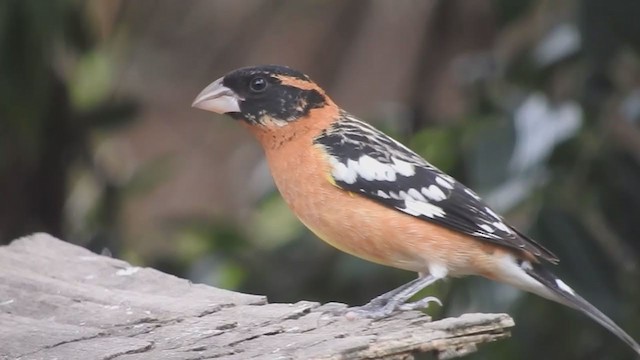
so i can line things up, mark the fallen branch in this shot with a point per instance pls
(59, 300)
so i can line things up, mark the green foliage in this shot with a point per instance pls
(440, 145)
(55, 94)
(274, 224)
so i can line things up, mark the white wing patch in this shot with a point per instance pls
(472, 194)
(416, 195)
(403, 168)
(442, 181)
(486, 228)
(341, 172)
(501, 226)
(492, 213)
(489, 229)
(416, 202)
(434, 193)
(369, 169)
(416, 208)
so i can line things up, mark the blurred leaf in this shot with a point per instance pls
(91, 80)
(231, 276)
(194, 241)
(274, 223)
(148, 175)
(196, 237)
(439, 145)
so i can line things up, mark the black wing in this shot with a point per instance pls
(366, 161)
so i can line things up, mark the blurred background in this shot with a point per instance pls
(535, 104)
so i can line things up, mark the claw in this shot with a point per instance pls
(378, 310)
(394, 300)
(420, 304)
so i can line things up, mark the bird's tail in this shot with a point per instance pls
(556, 290)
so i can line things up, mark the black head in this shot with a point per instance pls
(262, 94)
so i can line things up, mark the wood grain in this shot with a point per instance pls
(59, 300)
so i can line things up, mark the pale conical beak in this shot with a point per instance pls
(217, 98)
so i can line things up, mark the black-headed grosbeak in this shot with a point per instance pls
(370, 196)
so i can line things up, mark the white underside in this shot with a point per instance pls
(512, 274)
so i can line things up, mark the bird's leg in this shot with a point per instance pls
(385, 304)
(383, 299)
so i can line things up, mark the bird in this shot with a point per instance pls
(368, 195)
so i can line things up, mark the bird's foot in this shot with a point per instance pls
(392, 301)
(380, 308)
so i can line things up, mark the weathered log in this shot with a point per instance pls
(61, 301)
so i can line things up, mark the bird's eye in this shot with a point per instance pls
(258, 84)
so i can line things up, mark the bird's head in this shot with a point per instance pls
(270, 96)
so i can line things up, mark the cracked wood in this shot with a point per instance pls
(61, 301)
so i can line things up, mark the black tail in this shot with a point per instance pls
(567, 296)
